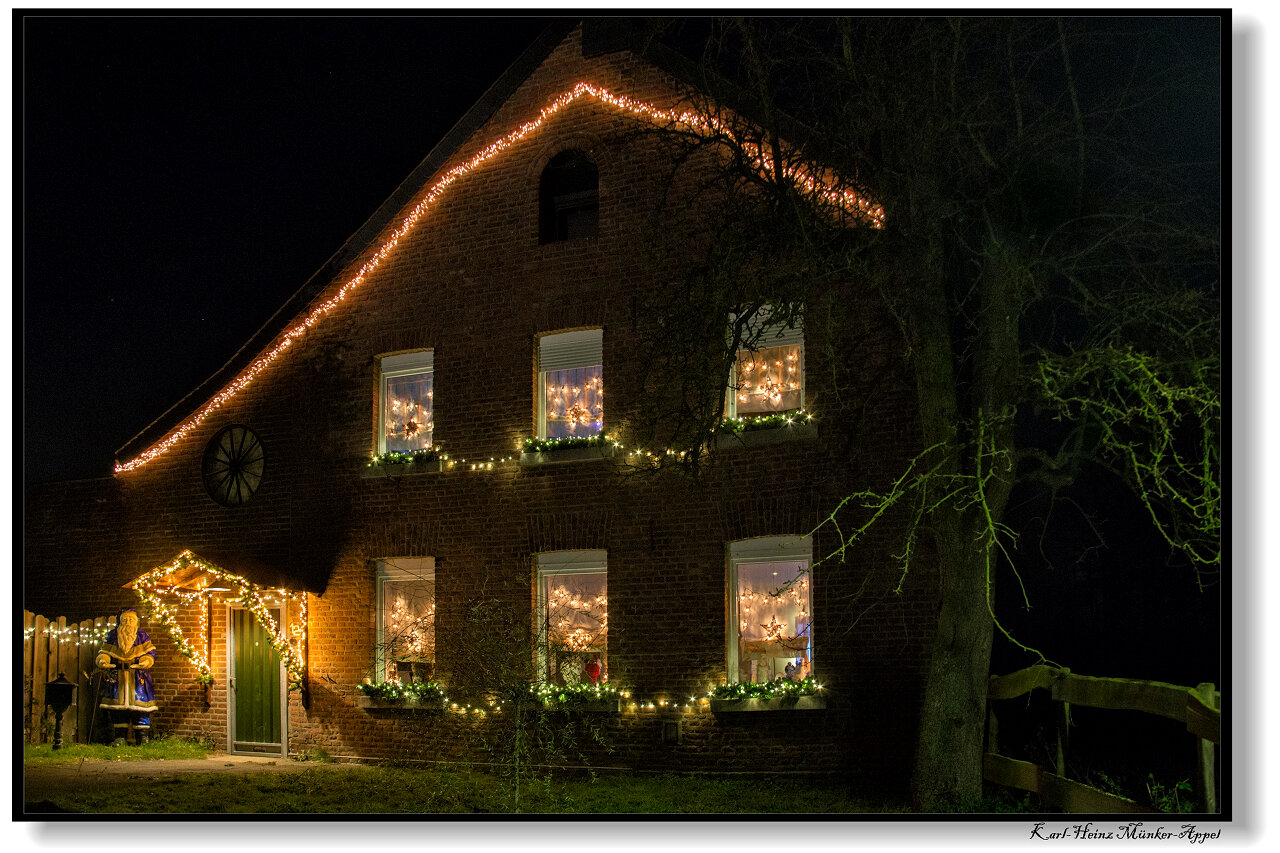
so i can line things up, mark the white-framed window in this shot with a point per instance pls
(770, 608)
(770, 377)
(571, 384)
(573, 616)
(406, 595)
(405, 409)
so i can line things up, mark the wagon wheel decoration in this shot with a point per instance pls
(233, 465)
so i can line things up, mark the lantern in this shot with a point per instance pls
(58, 696)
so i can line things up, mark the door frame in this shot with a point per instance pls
(282, 614)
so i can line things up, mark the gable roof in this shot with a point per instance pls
(599, 36)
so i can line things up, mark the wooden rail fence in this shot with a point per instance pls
(1199, 708)
(49, 647)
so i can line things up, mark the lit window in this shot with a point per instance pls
(571, 384)
(568, 198)
(405, 402)
(770, 377)
(770, 607)
(573, 612)
(406, 649)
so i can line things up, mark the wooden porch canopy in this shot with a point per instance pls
(192, 577)
(190, 582)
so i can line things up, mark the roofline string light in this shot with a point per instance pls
(844, 199)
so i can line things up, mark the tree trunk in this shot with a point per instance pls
(948, 768)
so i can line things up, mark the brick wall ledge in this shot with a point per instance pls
(387, 470)
(568, 454)
(761, 437)
(595, 706)
(779, 703)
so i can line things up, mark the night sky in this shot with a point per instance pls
(181, 177)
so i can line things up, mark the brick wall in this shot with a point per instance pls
(473, 283)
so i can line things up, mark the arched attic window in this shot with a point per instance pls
(568, 198)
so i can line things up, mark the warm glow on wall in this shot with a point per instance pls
(846, 201)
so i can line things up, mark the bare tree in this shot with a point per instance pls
(982, 184)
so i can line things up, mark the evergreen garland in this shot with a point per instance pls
(778, 687)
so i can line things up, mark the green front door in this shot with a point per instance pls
(256, 701)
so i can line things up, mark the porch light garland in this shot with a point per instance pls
(248, 594)
(825, 191)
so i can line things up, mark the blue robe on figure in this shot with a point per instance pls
(128, 693)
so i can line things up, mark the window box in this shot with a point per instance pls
(780, 434)
(370, 703)
(568, 454)
(583, 698)
(779, 694)
(774, 703)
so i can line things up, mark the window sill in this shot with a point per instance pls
(391, 470)
(568, 454)
(763, 437)
(371, 704)
(780, 703)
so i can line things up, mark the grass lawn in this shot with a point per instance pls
(363, 789)
(384, 790)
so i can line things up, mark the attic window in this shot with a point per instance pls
(568, 198)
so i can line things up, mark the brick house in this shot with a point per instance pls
(486, 302)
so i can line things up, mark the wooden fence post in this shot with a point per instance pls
(86, 643)
(28, 683)
(1205, 786)
(1062, 719)
(67, 664)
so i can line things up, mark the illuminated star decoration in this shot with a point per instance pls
(578, 414)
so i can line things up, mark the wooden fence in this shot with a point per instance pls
(50, 647)
(1199, 708)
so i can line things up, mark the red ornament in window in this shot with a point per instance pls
(592, 669)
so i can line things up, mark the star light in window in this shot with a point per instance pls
(773, 631)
